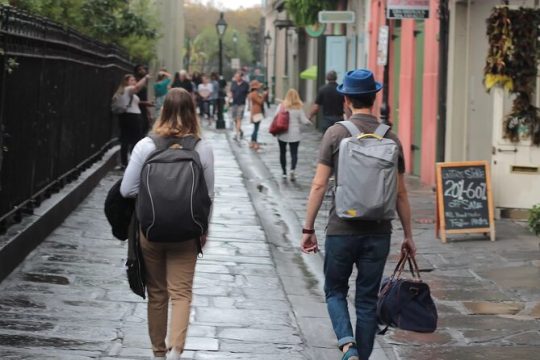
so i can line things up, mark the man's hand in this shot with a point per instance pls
(309, 243)
(408, 246)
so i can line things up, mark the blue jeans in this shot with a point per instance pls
(255, 132)
(369, 253)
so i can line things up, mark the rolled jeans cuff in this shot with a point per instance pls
(346, 340)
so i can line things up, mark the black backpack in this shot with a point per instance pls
(173, 203)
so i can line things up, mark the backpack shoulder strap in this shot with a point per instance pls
(160, 142)
(349, 125)
(381, 130)
(189, 142)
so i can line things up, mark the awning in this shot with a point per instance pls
(310, 73)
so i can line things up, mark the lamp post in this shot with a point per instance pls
(267, 42)
(221, 26)
(235, 41)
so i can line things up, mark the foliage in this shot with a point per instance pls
(200, 18)
(534, 219)
(305, 12)
(132, 24)
(510, 63)
(204, 49)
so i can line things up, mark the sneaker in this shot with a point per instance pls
(284, 176)
(351, 354)
(293, 176)
(241, 134)
(173, 355)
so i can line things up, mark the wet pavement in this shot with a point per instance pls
(256, 296)
(70, 299)
(487, 293)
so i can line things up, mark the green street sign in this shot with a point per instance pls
(315, 30)
(337, 17)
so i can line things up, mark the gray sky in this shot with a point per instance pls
(232, 4)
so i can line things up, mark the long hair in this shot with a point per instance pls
(292, 100)
(123, 84)
(178, 117)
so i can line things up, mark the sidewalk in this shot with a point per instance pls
(488, 293)
(70, 299)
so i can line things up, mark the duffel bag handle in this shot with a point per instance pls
(413, 266)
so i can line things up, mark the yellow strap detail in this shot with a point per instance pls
(362, 136)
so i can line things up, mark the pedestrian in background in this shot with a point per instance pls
(205, 91)
(364, 243)
(294, 105)
(214, 79)
(160, 89)
(170, 266)
(144, 104)
(238, 93)
(130, 122)
(331, 102)
(256, 100)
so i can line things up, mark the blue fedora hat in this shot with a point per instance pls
(358, 82)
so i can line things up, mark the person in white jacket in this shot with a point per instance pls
(294, 105)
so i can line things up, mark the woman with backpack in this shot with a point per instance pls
(170, 252)
(130, 118)
(294, 106)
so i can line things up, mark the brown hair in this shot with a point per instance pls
(292, 100)
(178, 117)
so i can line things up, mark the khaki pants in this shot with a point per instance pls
(170, 268)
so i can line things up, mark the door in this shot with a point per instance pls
(418, 95)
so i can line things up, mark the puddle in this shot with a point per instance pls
(49, 279)
(492, 308)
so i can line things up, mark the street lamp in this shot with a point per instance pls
(221, 27)
(267, 42)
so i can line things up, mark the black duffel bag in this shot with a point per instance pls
(406, 303)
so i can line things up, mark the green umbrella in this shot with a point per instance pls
(310, 73)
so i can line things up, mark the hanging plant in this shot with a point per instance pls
(510, 63)
(500, 48)
(305, 12)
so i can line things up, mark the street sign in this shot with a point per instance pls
(382, 46)
(407, 9)
(337, 17)
(235, 63)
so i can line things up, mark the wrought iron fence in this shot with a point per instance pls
(55, 119)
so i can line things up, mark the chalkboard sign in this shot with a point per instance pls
(464, 199)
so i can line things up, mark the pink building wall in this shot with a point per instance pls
(430, 103)
(406, 87)
(406, 91)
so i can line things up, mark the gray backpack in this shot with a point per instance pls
(367, 175)
(173, 204)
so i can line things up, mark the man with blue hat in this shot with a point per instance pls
(355, 241)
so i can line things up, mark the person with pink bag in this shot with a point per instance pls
(292, 136)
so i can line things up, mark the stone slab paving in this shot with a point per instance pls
(488, 293)
(70, 299)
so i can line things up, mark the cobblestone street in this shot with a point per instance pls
(256, 296)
